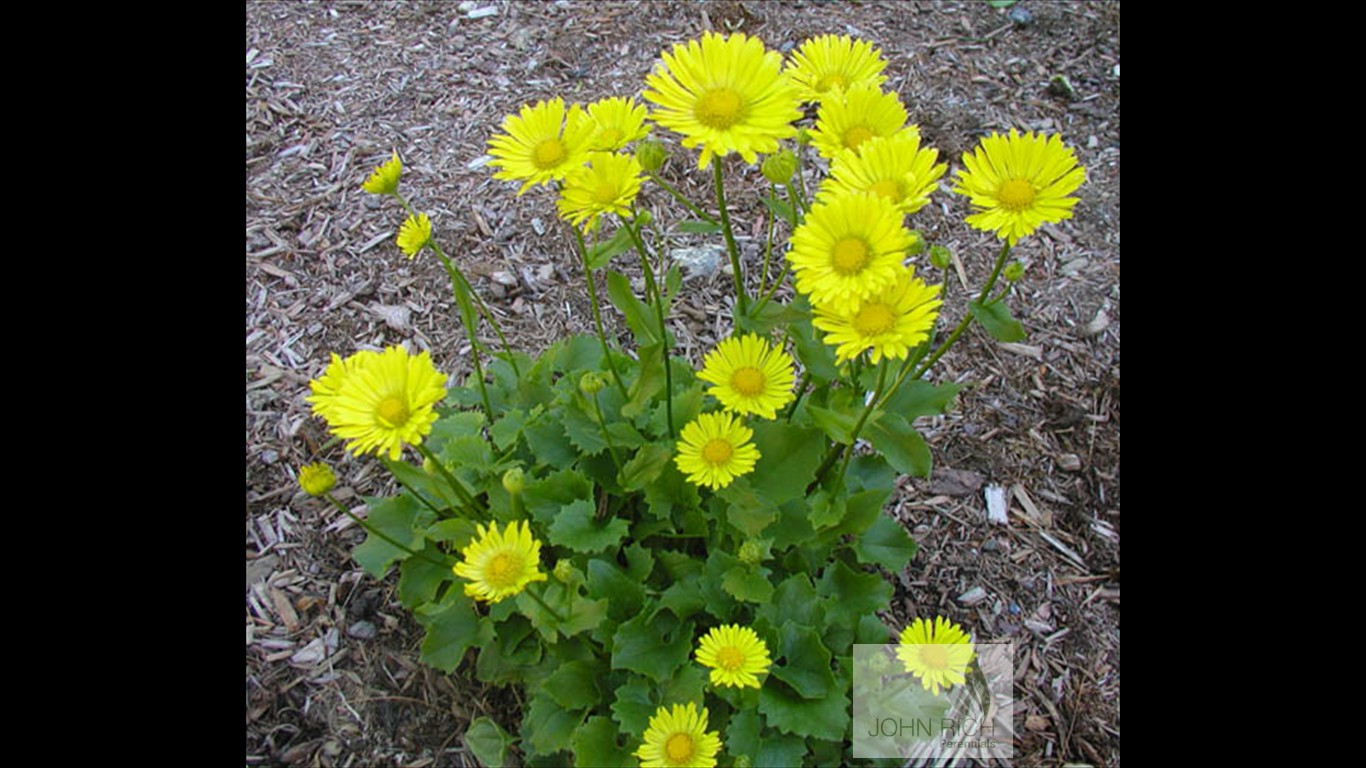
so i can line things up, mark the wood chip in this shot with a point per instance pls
(1098, 323)
(1042, 518)
(996, 505)
(284, 610)
(1023, 349)
(973, 596)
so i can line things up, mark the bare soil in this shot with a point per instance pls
(332, 676)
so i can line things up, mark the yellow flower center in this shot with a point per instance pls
(719, 109)
(392, 411)
(748, 381)
(888, 189)
(935, 656)
(717, 452)
(850, 256)
(605, 193)
(832, 80)
(679, 748)
(503, 570)
(549, 154)
(856, 135)
(1016, 195)
(730, 658)
(874, 319)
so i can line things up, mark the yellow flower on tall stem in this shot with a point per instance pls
(678, 738)
(500, 565)
(937, 652)
(725, 94)
(749, 375)
(542, 143)
(378, 402)
(895, 167)
(608, 184)
(850, 247)
(715, 449)
(735, 654)
(830, 64)
(844, 122)
(617, 121)
(1019, 182)
(414, 234)
(384, 179)
(887, 324)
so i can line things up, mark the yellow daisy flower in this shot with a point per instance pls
(608, 184)
(316, 479)
(678, 738)
(938, 653)
(749, 376)
(735, 655)
(378, 401)
(542, 143)
(617, 121)
(844, 122)
(888, 324)
(726, 94)
(414, 234)
(384, 179)
(715, 449)
(500, 565)
(1019, 182)
(894, 167)
(850, 247)
(830, 64)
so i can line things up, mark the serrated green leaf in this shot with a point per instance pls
(548, 727)
(669, 491)
(718, 602)
(794, 600)
(654, 648)
(861, 510)
(638, 316)
(552, 594)
(850, 594)
(790, 456)
(576, 528)
(826, 510)
(806, 661)
(488, 742)
(871, 631)
(624, 595)
(455, 531)
(506, 429)
(781, 751)
(583, 429)
(696, 227)
(780, 208)
(901, 444)
(401, 518)
(648, 463)
(747, 584)
(457, 424)
(467, 453)
(549, 443)
(683, 598)
(996, 318)
(640, 562)
(574, 684)
(600, 254)
(585, 615)
(921, 398)
(452, 627)
(817, 357)
(825, 718)
(838, 425)
(742, 735)
(514, 649)
(887, 544)
(580, 352)
(687, 684)
(744, 509)
(545, 497)
(420, 578)
(793, 525)
(596, 744)
(420, 484)
(649, 381)
(632, 707)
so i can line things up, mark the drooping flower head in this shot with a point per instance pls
(542, 143)
(384, 179)
(845, 121)
(725, 94)
(850, 247)
(888, 324)
(749, 375)
(617, 121)
(831, 64)
(499, 565)
(678, 738)
(414, 234)
(937, 652)
(379, 401)
(608, 184)
(1018, 182)
(895, 167)
(735, 654)
(316, 478)
(715, 449)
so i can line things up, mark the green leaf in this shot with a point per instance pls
(745, 510)
(640, 562)
(458, 424)
(420, 578)
(514, 650)
(585, 615)
(401, 518)
(574, 684)
(837, 424)
(673, 281)
(642, 469)
(683, 598)
(652, 648)
(488, 742)
(746, 584)
(921, 398)
(632, 706)
(719, 602)
(872, 631)
(795, 600)
(695, 227)
(648, 383)
(781, 751)
(826, 510)
(546, 496)
(901, 444)
(885, 543)
(547, 727)
(456, 531)
(580, 352)
(436, 491)
(685, 686)
(596, 744)
(806, 665)
(637, 312)
(793, 526)
(452, 628)
(549, 443)
(850, 594)
(788, 459)
(825, 718)
(861, 510)
(506, 429)
(996, 318)
(624, 595)
(780, 208)
(816, 356)
(583, 429)
(742, 735)
(575, 528)
(1001, 3)
(618, 243)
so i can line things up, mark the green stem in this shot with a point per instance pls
(772, 289)
(741, 300)
(768, 245)
(655, 295)
(597, 311)
(872, 403)
(472, 507)
(415, 492)
(967, 318)
(801, 390)
(381, 534)
(698, 212)
(607, 438)
(532, 594)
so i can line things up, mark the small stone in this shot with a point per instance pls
(269, 456)
(973, 596)
(701, 261)
(1069, 462)
(538, 225)
(1020, 15)
(990, 545)
(362, 630)
(504, 277)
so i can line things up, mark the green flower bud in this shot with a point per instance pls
(751, 553)
(940, 256)
(643, 218)
(591, 383)
(514, 481)
(316, 479)
(1014, 271)
(779, 166)
(429, 466)
(803, 136)
(564, 571)
(917, 246)
(879, 664)
(651, 155)
(743, 761)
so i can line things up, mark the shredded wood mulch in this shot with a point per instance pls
(1019, 525)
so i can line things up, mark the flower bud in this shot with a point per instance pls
(803, 136)
(564, 571)
(940, 256)
(917, 245)
(779, 166)
(743, 761)
(316, 479)
(591, 383)
(643, 218)
(384, 179)
(514, 481)
(750, 553)
(651, 155)
(1013, 272)
(879, 663)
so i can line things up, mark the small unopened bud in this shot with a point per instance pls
(779, 166)
(803, 136)
(429, 466)
(591, 383)
(917, 245)
(564, 571)
(940, 256)
(316, 479)
(643, 218)
(743, 761)
(651, 155)
(879, 663)
(514, 481)
(751, 553)
(1013, 272)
